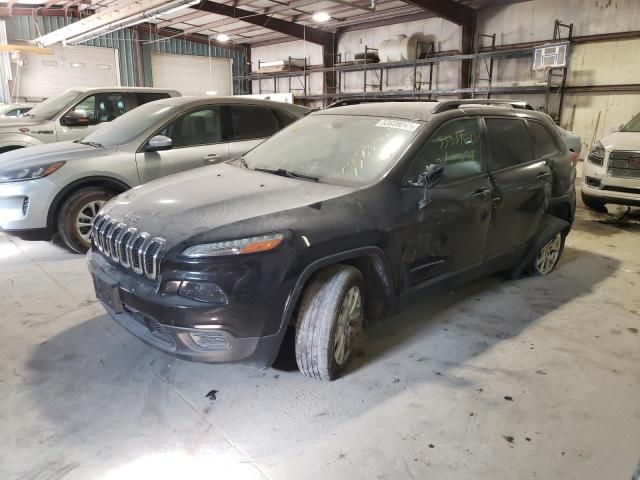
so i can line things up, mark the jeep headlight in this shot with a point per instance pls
(260, 243)
(29, 173)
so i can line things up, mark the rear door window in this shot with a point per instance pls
(284, 117)
(509, 141)
(543, 144)
(249, 122)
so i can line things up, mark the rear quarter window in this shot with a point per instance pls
(543, 143)
(150, 97)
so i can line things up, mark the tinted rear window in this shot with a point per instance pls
(509, 141)
(252, 122)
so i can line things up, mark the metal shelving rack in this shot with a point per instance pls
(558, 73)
(299, 75)
(488, 53)
(488, 66)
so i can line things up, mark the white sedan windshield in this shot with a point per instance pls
(336, 148)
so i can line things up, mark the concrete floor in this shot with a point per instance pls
(531, 379)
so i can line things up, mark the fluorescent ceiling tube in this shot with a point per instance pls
(321, 17)
(111, 19)
(180, 7)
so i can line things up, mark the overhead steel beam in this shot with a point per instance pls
(363, 24)
(295, 30)
(448, 9)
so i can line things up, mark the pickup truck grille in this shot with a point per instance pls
(134, 250)
(624, 164)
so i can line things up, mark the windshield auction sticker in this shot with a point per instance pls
(398, 124)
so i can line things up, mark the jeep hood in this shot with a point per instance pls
(184, 205)
(49, 153)
(622, 141)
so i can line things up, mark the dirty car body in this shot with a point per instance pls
(343, 186)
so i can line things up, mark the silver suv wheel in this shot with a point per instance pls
(85, 218)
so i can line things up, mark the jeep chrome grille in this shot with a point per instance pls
(134, 250)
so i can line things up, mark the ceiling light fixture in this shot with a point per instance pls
(112, 19)
(222, 37)
(321, 17)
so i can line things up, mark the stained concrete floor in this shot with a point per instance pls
(531, 379)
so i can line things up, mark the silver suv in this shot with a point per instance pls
(74, 114)
(60, 187)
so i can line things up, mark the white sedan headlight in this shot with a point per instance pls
(29, 173)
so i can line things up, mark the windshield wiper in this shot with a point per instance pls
(243, 161)
(92, 144)
(287, 173)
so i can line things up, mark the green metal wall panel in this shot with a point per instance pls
(134, 50)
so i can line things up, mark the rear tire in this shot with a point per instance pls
(76, 215)
(592, 203)
(548, 256)
(329, 323)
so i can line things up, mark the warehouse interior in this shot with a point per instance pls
(532, 378)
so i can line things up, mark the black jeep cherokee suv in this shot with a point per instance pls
(329, 222)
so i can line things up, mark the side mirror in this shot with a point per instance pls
(617, 129)
(432, 174)
(158, 143)
(76, 118)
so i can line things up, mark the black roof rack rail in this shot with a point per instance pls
(357, 101)
(453, 104)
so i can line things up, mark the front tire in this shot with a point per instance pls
(77, 214)
(548, 256)
(329, 323)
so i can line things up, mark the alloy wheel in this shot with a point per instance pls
(348, 325)
(548, 255)
(85, 218)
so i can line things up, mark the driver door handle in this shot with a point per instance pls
(212, 157)
(481, 193)
(543, 176)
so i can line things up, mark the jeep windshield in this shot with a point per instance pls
(340, 149)
(129, 126)
(52, 106)
(633, 125)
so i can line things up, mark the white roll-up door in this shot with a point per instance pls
(192, 75)
(43, 76)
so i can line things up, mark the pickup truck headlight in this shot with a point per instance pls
(596, 156)
(29, 173)
(261, 243)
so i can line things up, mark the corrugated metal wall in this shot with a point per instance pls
(127, 42)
